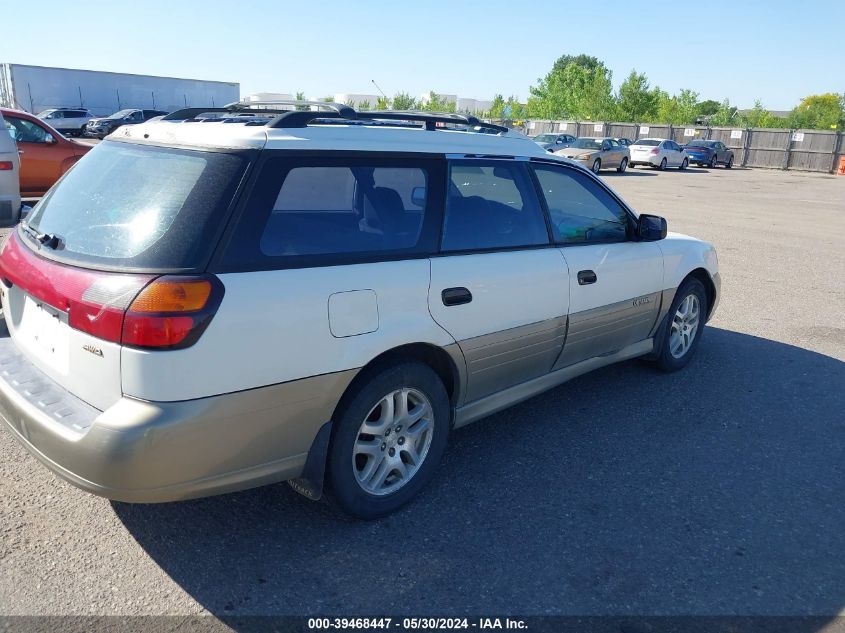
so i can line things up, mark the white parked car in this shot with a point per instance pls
(68, 121)
(320, 297)
(658, 152)
(10, 169)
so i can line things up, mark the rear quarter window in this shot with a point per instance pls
(312, 211)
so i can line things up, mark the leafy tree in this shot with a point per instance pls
(363, 105)
(579, 90)
(821, 112)
(637, 101)
(708, 107)
(404, 101)
(724, 115)
(434, 103)
(587, 62)
(300, 96)
(328, 99)
(513, 109)
(497, 109)
(679, 109)
(383, 103)
(758, 116)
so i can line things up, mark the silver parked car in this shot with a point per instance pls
(598, 153)
(553, 142)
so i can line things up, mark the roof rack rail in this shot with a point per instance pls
(238, 107)
(430, 119)
(329, 105)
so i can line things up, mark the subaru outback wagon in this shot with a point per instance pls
(207, 304)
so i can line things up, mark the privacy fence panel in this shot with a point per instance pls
(652, 130)
(812, 150)
(768, 148)
(735, 138)
(592, 128)
(683, 134)
(623, 130)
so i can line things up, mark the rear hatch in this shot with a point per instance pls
(112, 256)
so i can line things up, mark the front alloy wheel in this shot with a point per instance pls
(684, 326)
(393, 441)
(596, 166)
(682, 333)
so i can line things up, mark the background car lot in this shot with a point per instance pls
(715, 490)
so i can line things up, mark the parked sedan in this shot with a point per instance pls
(658, 152)
(553, 141)
(10, 192)
(45, 154)
(710, 153)
(625, 141)
(104, 126)
(598, 153)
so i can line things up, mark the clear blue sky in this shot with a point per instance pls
(778, 51)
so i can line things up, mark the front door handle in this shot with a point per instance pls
(456, 296)
(586, 277)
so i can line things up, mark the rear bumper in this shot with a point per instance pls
(642, 160)
(150, 452)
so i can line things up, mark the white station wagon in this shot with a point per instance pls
(207, 304)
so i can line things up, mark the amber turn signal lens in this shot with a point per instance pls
(172, 296)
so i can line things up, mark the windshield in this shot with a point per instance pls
(648, 142)
(545, 138)
(586, 143)
(45, 113)
(136, 205)
(120, 114)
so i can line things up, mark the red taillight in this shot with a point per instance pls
(131, 309)
(6, 165)
(655, 151)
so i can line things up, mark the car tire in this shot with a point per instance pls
(384, 453)
(622, 166)
(596, 166)
(730, 162)
(662, 165)
(684, 165)
(684, 326)
(712, 163)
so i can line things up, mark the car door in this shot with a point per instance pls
(41, 156)
(499, 287)
(721, 153)
(615, 282)
(608, 156)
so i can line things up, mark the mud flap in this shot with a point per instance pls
(310, 483)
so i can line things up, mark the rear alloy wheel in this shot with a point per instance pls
(662, 165)
(389, 436)
(686, 323)
(596, 166)
(684, 165)
(730, 162)
(712, 163)
(622, 166)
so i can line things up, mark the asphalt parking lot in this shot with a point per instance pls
(716, 490)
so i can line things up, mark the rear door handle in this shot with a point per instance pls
(456, 296)
(586, 277)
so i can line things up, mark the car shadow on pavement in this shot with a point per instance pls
(714, 490)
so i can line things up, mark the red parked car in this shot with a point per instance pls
(45, 154)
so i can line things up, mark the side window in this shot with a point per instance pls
(581, 210)
(336, 209)
(58, 114)
(136, 116)
(24, 131)
(491, 204)
(614, 144)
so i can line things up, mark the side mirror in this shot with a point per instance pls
(651, 228)
(418, 196)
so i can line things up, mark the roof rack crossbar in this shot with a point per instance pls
(300, 119)
(328, 105)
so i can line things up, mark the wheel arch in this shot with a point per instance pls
(709, 287)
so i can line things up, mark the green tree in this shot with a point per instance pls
(404, 101)
(588, 62)
(678, 109)
(579, 90)
(513, 109)
(434, 103)
(497, 109)
(708, 107)
(820, 112)
(363, 105)
(383, 103)
(637, 101)
(328, 99)
(724, 115)
(300, 96)
(758, 116)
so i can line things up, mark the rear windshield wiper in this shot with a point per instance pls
(48, 240)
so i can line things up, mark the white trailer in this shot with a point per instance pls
(36, 88)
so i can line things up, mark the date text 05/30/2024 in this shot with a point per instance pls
(415, 624)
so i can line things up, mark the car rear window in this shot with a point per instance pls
(648, 142)
(139, 206)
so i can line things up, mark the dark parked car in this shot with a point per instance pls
(104, 126)
(710, 153)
